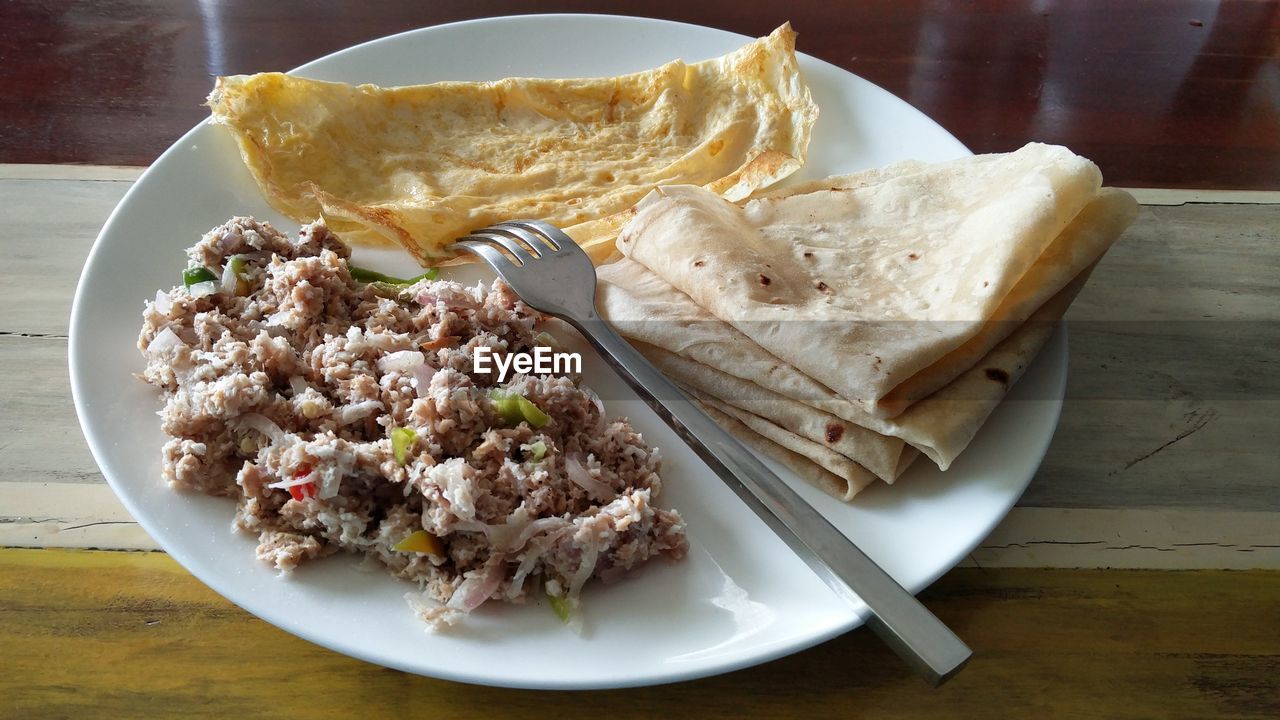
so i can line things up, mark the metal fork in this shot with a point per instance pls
(552, 274)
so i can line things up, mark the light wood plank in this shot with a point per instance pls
(67, 515)
(90, 517)
(1172, 395)
(90, 634)
(40, 439)
(1133, 539)
(50, 226)
(97, 173)
(1173, 400)
(1165, 196)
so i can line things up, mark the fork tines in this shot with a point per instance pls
(523, 240)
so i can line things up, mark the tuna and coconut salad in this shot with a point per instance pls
(340, 409)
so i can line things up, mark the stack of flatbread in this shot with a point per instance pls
(851, 325)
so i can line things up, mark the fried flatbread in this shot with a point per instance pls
(422, 165)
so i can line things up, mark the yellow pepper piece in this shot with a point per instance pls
(420, 542)
(402, 440)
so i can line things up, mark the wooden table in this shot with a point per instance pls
(1138, 577)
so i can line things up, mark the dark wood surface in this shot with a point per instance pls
(1160, 93)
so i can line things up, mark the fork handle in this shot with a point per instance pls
(906, 625)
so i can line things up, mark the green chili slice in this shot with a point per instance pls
(364, 275)
(560, 607)
(516, 408)
(193, 275)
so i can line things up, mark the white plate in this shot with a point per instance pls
(741, 597)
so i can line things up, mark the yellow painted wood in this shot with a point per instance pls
(110, 634)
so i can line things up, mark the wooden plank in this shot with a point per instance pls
(1172, 395)
(1164, 196)
(50, 226)
(1171, 93)
(40, 440)
(1086, 538)
(97, 173)
(88, 516)
(67, 515)
(91, 634)
(1170, 370)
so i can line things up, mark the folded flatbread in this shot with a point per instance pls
(802, 465)
(424, 164)
(886, 457)
(886, 292)
(704, 353)
(935, 410)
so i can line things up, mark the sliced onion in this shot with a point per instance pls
(513, 535)
(164, 303)
(298, 385)
(358, 411)
(164, 340)
(404, 361)
(229, 239)
(478, 586)
(201, 289)
(471, 526)
(229, 279)
(332, 465)
(590, 553)
(422, 379)
(293, 482)
(501, 534)
(581, 477)
(536, 551)
(456, 300)
(601, 421)
(262, 424)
